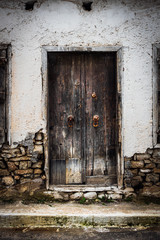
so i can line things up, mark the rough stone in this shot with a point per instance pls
(11, 166)
(156, 170)
(141, 174)
(147, 161)
(152, 178)
(90, 195)
(38, 143)
(38, 148)
(136, 181)
(127, 164)
(149, 184)
(156, 160)
(16, 163)
(39, 136)
(57, 196)
(145, 170)
(28, 175)
(22, 172)
(29, 164)
(23, 150)
(141, 157)
(153, 191)
(134, 171)
(8, 181)
(37, 165)
(28, 185)
(137, 164)
(2, 165)
(12, 151)
(43, 177)
(127, 182)
(37, 175)
(23, 158)
(7, 155)
(101, 196)
(150, 165)
(128, 189)
(23, 165)
(76, 196)
(115, 196)
(156, 153)
(4, 172)
(17, 177)
(130, 195)
(150, 151)
(65, 196)
(37, 171)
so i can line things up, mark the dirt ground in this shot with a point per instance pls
(79, 234)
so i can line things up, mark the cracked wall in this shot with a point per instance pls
(131, 24)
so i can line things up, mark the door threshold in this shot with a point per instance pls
(82, 188)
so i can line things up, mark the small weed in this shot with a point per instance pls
(109, 200)
(128, 199)
(82, 200)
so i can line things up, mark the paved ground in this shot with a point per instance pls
(80, 234)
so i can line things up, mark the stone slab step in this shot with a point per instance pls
(76, 215)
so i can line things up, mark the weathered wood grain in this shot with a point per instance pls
(82, 85)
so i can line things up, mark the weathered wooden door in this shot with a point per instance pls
(82, 117)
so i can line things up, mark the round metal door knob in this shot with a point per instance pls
(95, 121)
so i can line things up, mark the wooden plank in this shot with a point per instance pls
(64, 101)
(101, 139)
(99, 108)
(88, 114)
(102, 180)
(58, 172)
(73, 171)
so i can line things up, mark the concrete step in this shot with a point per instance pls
(72, 214)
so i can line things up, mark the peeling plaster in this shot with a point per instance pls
(132, 24)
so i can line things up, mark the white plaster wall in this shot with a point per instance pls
(133, 24)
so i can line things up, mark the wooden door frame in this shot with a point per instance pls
(119, 100)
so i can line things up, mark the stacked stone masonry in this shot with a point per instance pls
(23, 163)
(22, 168)
(142, 172)
(109, 193)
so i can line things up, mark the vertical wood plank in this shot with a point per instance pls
(64, 100)
(89, 130)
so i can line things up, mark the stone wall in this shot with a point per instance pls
(142, 172)
(22, 169)
(23, 163)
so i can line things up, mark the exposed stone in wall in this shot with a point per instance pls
(23, 165)
(142, 172)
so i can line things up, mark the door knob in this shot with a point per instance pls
(70, 121)
(94, 95)
(95, 121)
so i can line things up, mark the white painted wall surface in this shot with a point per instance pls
(133, 24)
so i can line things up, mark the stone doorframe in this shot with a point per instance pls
(119, 67)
